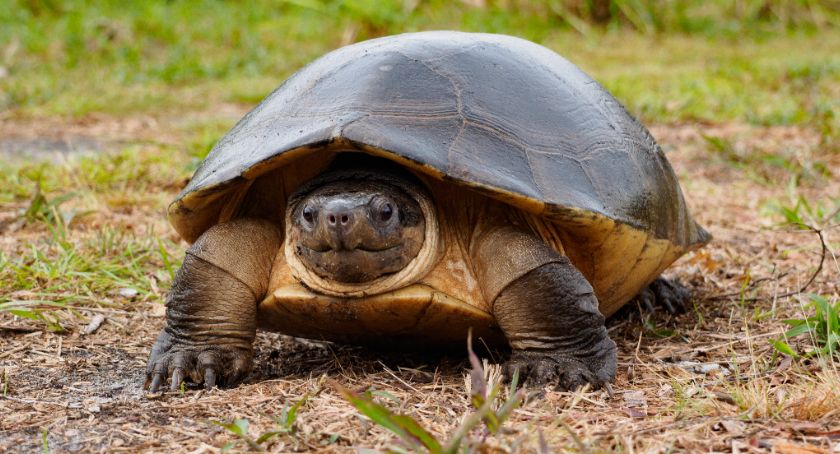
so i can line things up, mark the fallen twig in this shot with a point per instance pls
(823, 253)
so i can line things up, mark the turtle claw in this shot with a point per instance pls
(208, 364)
(209, 378)
(665, 293)
(156, 381)
(177, 378)
(646, 298)
(539, 368)
(669, 307)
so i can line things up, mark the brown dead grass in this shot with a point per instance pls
(714, 386)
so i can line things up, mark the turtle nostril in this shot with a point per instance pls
(331, 219)
(344, 219)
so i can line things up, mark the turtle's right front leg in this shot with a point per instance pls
(212, 307)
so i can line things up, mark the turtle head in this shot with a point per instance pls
(356, 226)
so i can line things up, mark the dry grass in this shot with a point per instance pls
(706, 381)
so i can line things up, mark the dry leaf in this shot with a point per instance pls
(736, 428)
(784, 447)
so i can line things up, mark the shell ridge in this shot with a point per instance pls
(341, 127)
(459, 106)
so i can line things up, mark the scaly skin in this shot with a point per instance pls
(666, 293)
(211, 309)
(546, 308)
(551, 319)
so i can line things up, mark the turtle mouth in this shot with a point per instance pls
(327, 248)
(352, 265)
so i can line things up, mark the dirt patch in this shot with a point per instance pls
(35, 149)
(708, 380)
(45, 138)
(93, 127)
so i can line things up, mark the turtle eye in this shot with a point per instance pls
(386, 212)
(308, 214)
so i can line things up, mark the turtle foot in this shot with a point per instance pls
(539, 368)
(666, 293)
(207, 363)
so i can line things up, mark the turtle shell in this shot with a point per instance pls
(496, 114)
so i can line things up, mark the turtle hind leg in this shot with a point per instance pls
(669, 294)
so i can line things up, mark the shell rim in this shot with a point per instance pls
(338, 144)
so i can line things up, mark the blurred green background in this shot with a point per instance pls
(763, 62)
(750, 87)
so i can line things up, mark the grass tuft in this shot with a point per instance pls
(822, 329)
(819, 398)
(482, 397)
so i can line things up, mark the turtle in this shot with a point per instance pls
(410, 189)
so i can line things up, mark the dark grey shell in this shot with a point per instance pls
(495, 113)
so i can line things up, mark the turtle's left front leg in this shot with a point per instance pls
(546, 308)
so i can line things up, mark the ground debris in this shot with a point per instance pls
(94, 324)
(715, 386)
(703, 368)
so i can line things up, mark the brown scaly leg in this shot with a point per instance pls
(212, 307)
(547, 310)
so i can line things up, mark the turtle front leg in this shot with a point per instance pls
(211, 309)
(547, 310)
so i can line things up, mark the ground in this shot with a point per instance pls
(705, 379)
(86, 254)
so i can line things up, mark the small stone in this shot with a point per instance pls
(734, 427)
(635, 399)
(691, 391)
(708, 367)
(665, 391)
(703, 368)
(94, 324)
(158, 310)
(92, 405)
(127, 292)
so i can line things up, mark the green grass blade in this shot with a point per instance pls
(291, 415)
(165, 258)
(511, 404)
(401, 425)
(799, 330)
(267, 436)
(783, 347)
